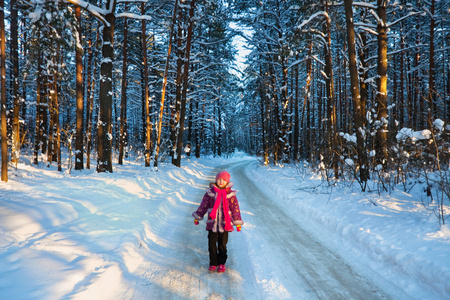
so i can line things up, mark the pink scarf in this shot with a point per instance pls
(222, 195)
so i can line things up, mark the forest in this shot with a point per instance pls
(357, 90)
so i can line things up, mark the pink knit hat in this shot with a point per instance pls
(223, 175)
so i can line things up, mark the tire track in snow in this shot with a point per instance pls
(303, 259)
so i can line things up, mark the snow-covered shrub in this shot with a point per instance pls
(426, 154)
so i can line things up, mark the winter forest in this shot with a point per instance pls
(358, 90)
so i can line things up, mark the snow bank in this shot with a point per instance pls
(397, 237)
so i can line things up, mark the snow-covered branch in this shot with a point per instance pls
(375, 15)
(407, 16)
(318, 60)
(364, 4)
(133, 16)
(295, 63)
(94, 10)
(317, 14)
(368, 25)
(369, 30)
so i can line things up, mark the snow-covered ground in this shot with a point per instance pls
(130, 235)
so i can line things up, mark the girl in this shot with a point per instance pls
(223, 208)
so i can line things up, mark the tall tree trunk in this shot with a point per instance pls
(51, 132)
(381, 97)
(418, 107)
(363, 56)
(3, 129)
(55, 104)
(163, 93)
(296, 112)
(307, 103)
(148, 125)
(432, 111)
(199, 134)
(331, 105)
(57, 127)
(410, 94)
(219, 126)
(37, 135)
(264, 115)
(190, 123)
(282, 140)
(44, 109)
(90, 95)
(79, 151)
(402, 83)
(176, 107)
(348, 120)
(447, 94)
(339, 99)
(356, 97)
(104, 148)
(123, 102)
(53, 137)
(185, 81)
(15, 138)
(23, 110)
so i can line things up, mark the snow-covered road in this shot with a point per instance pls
(304, 265)
(130, 235)
(274, 257)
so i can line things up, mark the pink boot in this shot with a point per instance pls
(212, 268)
(221, 268)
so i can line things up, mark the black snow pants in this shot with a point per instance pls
(217, 246)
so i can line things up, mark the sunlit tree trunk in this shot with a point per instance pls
(331, 103)
(23, 110)
(307, 104)
(3, 129)
(53, 149)
(79, 151)
(90, 95)
(57, 127)
(364, 71)
(146, 100)
(163, 92)
(381, 97)
(356, 97)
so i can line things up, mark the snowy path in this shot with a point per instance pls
(307, 268)
(272, 258)
(130, 235)
(180, 271)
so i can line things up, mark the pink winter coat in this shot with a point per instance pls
(207, 205)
